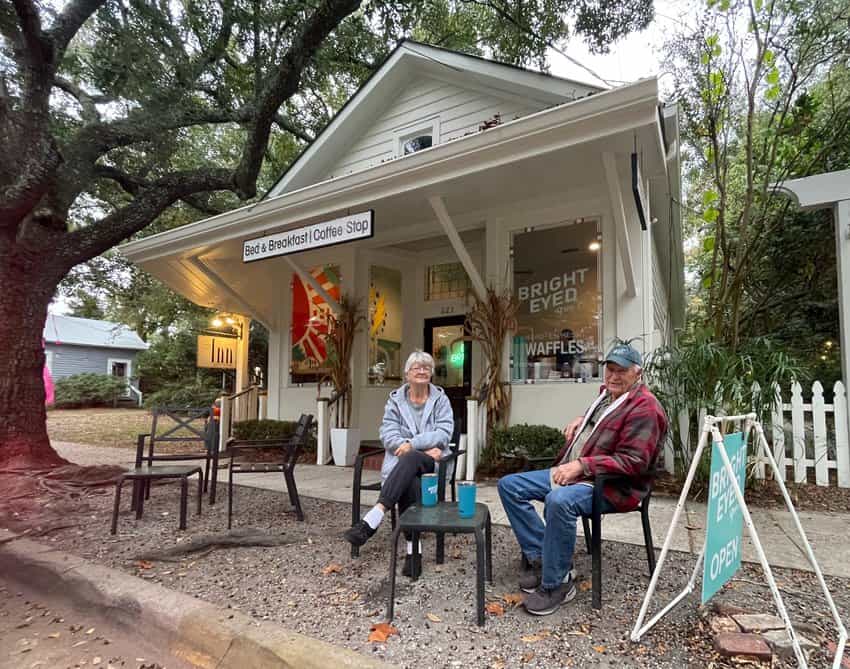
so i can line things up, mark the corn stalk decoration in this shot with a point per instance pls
(489, 322)
(342, 327)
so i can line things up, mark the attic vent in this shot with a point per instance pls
(415, 144)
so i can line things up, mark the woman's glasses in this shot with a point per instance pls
(420, 368)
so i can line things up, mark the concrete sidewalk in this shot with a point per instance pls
(826, 531)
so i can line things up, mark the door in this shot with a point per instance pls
(121, 370)
(452, 362)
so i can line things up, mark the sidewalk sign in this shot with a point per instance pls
(720, 563)
(724, 529)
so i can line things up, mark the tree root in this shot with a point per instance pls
(40, 500)
(207, 543)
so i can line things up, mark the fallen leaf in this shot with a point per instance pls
(495, 609)
(584, 586)
(55, 635)
(79, 643)
(528, 657)
(534, 638)
(332, 568)
(90, 630)
(144, 564)
(381, 632)
(433, 618)
(354, 596)
(96, 660)
(512, 598)
(599, 649)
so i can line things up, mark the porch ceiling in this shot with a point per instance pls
(555, 153)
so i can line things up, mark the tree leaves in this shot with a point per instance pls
(494, 609)
(332, 568)
(380, 632)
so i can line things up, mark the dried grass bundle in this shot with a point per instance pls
(342, 327)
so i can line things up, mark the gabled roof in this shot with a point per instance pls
(89, 332)
(406, 60)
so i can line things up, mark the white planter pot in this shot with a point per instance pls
(345, 444)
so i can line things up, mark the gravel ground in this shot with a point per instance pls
(311, 585)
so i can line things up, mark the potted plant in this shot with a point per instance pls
(342, 328)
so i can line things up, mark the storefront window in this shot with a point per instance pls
(556, 281)
(385, 321)
(310, 324)
(447, 281)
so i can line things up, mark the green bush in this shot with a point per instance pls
(184, 394)
(251, 430)
(85, 390)
(533, 441)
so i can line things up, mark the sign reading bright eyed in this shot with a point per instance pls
(725, 527)
(328, 233)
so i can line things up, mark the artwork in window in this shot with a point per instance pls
(385, 322)
(310, 324)
(556, 281)
(415, 144)
(447, 281)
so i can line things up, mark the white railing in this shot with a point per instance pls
(476, 438)
(132, 390)
(244, 405)
(804, 436)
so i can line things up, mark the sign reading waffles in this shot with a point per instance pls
(337, 231)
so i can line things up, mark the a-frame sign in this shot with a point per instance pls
(721, 550)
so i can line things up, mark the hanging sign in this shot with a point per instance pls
(328, 233)
(216, 352)
(725, 523)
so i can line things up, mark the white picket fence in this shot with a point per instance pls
(804, 436)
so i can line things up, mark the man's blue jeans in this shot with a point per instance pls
(554, 542)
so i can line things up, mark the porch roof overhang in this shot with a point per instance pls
(543, 154)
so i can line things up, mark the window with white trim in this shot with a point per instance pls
(417, 137)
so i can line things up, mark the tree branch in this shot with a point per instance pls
(69, 22)
(285, 124)
(151, 201)
(284, 84)
(87, 102)
(36, 48)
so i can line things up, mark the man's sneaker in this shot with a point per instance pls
(542, 602)
(529, 581)
(359, 534)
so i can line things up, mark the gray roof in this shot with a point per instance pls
(88, 332)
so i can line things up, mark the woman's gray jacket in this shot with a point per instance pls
(399, 425)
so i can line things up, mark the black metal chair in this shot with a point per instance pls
(192, 427)
(374, 447)
(592, 526)
(289, 450)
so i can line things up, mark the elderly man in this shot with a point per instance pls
(619, 434)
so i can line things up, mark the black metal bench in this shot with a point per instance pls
(288, 449)
(193, 427)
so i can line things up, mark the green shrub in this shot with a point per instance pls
(85, 390)
(533, 441)
(251, 430)
(184, 394)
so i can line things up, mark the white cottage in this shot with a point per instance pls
(446, 173)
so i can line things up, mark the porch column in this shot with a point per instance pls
(841, 213)
(243, 375)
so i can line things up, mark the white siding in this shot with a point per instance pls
(660, 304)
(459, 112)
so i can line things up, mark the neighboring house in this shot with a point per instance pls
(444, 174)
(76, 345)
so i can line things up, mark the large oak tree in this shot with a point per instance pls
(98, 99)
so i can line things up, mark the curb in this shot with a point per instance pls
(194, 630)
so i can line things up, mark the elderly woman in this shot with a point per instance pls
(416, 430)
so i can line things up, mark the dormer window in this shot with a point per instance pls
(415, 144)
(413, 138)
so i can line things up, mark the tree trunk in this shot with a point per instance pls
(25, 293)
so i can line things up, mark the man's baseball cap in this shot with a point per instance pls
(624, 355)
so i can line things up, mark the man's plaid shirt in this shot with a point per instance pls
(626, 442)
